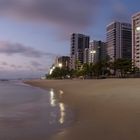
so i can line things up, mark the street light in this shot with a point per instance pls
(51, 70)
(138, 28)
(60, 65)
(93, 52)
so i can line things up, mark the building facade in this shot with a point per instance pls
(63, 62)
(136, 39)
(119, 40)
(79, 43)
(86, 55)
(97, 51)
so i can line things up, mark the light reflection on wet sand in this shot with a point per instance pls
(28, 113)
(62, 113)
(54, 103)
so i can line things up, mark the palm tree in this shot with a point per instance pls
(88, 70)
(123, 66)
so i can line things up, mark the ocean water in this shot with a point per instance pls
(30, 113)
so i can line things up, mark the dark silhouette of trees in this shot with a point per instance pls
(120, 67)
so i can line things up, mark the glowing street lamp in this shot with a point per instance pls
(51, 70)
(93, 52)
(138, 28)
(60, 65)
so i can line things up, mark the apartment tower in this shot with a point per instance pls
(97, 51)
(136, 39)
(79, 43)
(119, 40)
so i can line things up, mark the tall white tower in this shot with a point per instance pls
(136, 39)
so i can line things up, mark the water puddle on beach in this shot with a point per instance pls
(30, 113)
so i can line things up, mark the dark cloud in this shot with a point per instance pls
(35, 64)
(12, 74)
(38, 66)
(42, 69)
(17, 48)
(3, 63)
(16, 67)
(13, 66)
(65, 13)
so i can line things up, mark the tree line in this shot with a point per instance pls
(119, 68)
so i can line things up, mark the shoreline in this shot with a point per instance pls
(107, 109)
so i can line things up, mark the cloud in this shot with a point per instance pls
(38, 66)
(32, 66)
(12, 74)
(15, 66)
(3, 63)
(65, 13)
(9, 48)
(35, 64)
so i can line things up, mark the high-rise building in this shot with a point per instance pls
(97, 51)
(119, 40)
(136, 39)
(86, 55)
(79, 43)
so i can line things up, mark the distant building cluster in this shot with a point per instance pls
(85, 51)
(122, 41)
(61, 62)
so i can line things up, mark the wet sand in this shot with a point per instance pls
(30, 113)
(106, 109)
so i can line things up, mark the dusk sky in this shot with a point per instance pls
(34, 32)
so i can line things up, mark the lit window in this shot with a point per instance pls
(138, 28)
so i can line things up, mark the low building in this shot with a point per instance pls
(63, 61)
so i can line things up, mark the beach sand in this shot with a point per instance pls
(107, 109)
